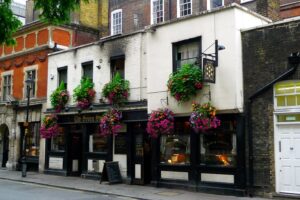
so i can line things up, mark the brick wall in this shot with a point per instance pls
(137, 13)
(265, 52)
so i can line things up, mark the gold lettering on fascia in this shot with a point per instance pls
(86, 119)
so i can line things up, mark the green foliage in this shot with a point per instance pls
(60, 97)
(9, 24)
(117, 90)
(84, 90)
(57, 11)
(184, 83)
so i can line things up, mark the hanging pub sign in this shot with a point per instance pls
(209, 70)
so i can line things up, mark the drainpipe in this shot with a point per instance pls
(170, 9)
(293, 61)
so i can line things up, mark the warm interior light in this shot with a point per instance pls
(223, 159)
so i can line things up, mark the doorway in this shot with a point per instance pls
(4, 145)
(141, 155)
(75, 150)
(288, 158)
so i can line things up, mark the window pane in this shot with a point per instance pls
(175, 149)
(291, 100)
(218, 147)
(97, 143)
(62, 76)
(30, 75)
(33, 139)
(185, 7)
(281, 101)
(88, 70)
(216, 3)
(187, 53)
(58, 142)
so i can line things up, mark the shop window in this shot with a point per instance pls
(58, 142)
(287, 94)
(97, 143)
(175, 149)
(186, 52)
(33, 139)
(214, 4)
(118, 66)
(116, 22)
(87, 69)
(63, 76)
(157, 10)
(218, 146)
(184, 8)
(6, 86)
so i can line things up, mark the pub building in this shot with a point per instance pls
(210, 161)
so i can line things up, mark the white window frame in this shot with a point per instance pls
(246, 1)
(27, 69)
(112, 30)
(209, 5)
(163, 11)
(179, 11)
(4, 74)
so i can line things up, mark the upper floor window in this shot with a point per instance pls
(184, 8)
(116, 22)
(62, 76)
(157, 10)
(31, 74)
(6, 90)
(214, 4)
(186, 52)
(118, 66)
(87, 68)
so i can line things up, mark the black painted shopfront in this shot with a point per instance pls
(212, 161)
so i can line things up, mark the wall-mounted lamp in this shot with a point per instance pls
(51, 76)
(210, 62)
(75, 66)
(98, 66)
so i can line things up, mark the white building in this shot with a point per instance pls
(146, 59)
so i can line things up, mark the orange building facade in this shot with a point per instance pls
(28, 59)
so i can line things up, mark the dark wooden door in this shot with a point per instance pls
(75, 150)
(141, 158)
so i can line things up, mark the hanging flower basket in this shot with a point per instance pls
(117, 90)
(204, 117)
(59, 98)
(185, 83)
(110, 123)
(49, 127)
(160, 122)
(84, 93)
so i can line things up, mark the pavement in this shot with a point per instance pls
(124, 190)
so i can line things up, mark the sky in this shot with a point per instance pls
(20, 1)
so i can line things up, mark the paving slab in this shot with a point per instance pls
(124, 190)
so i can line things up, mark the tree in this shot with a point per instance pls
(53, 12)
(8, 23)
(57, 11)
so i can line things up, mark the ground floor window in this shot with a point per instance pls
(175, 148)
(97, 142)
(218, 146)
(33, 139)
(58, 142)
